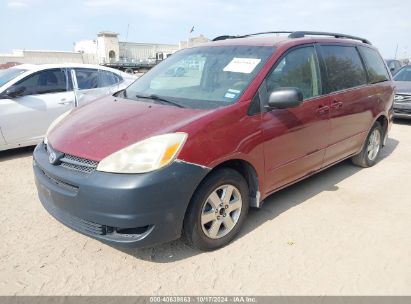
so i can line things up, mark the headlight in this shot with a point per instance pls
(54, 124)
(144, 156)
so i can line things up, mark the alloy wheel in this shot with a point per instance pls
(221, 211)
(374, 144)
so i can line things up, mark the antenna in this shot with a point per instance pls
(125, 49)
(128, 27)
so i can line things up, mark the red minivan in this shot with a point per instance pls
(187, 153)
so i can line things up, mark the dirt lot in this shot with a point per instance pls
(344, 231)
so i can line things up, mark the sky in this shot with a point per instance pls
(56, 24)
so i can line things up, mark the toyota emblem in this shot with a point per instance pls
(52, 157)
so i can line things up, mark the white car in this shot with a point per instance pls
(32, 96)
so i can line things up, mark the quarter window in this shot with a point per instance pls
(375, 65)
(44, 82)
(299, 69)
(344, 67)
(108, 78)
(87, 79)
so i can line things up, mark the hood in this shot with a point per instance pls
(403, 87)
(109, 124)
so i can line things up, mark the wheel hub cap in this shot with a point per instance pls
(221, 211)
(374, 144)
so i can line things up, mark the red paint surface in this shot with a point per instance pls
(281, 145)
(110, 124)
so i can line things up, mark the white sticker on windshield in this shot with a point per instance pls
(242, 65)
(229, 95)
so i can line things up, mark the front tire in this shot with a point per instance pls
(371, 149)
(217, 210)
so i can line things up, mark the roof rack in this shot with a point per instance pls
(295, 34)
(301, 34)
(224, 37)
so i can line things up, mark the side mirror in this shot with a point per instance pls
(392, 69)
(13, 92)
(285, 98)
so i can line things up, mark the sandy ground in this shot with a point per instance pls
(345, 231)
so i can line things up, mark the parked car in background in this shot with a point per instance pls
(402, 100)
(172, 156)
(394, 65)
(8, 65)
(176, 72)
(32, 96)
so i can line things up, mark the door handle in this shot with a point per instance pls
(65, 102)
(323, 109)
(336, 105)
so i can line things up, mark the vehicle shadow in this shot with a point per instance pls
(16, 153)
(273, 206)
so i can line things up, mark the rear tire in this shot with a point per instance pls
(371, 149)
(217, 210)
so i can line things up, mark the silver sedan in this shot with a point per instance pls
(32, 96)
(402, 101)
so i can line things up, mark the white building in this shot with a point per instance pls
(193, 41)
(39, 57)
(107, 48)
(134, 51)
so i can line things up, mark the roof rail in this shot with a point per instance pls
(301, 34)
(223, 37)
(294, 34)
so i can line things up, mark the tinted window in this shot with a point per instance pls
(48, 81)
(344, 67)
(108, 78)
(375, 65)
(299, 68)
(404, 74)
(87, 79)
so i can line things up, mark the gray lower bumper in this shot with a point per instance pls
(131, 210)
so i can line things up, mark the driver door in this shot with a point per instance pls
(295, 138)
(42, 97)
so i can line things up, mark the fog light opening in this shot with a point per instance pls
(136, 230)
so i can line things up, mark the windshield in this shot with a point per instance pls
(202, 77)
(404, 74)
(9, 74)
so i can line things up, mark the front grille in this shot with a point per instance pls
(74, 162)
(78, 163)
(402, 98)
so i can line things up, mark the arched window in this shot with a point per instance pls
(112, 56)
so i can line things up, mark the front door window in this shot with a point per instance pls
(299, 69)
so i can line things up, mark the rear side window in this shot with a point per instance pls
(44, 82)
(108, 78)
(299, 68)
(344, 67)
(87, 79)
(375, 65)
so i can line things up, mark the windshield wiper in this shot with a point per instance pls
(161, 99)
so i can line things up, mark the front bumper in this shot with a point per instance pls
(129, 210)
(402, 110)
